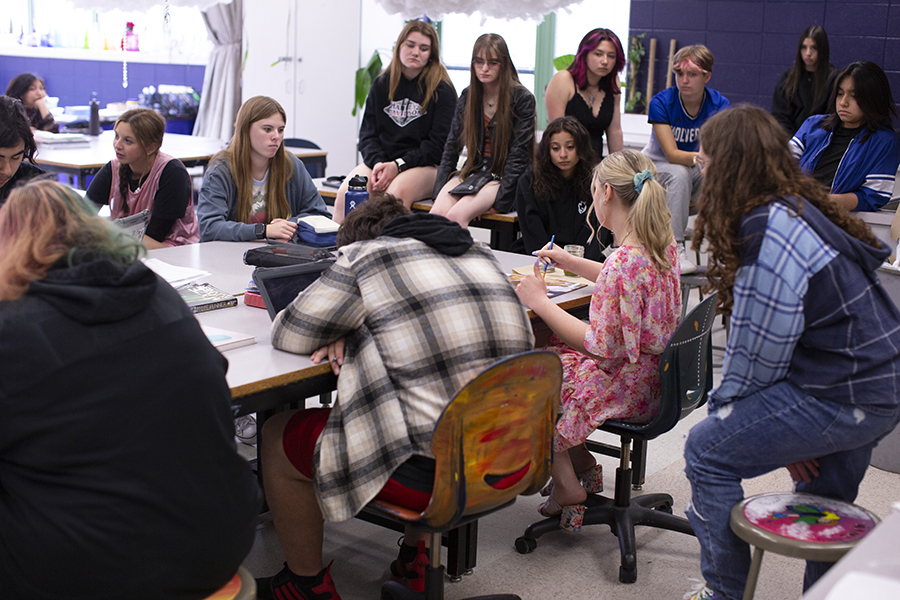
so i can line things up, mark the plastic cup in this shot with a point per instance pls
(574, 250)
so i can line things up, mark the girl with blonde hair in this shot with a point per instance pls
(494, 121)
(143, 177)
(406, 120)
(254, 186)
(610, 365)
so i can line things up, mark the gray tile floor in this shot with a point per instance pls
(575, 566)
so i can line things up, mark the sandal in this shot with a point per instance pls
(571, 518)
(591, 480)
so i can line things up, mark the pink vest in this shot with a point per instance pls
(185, 229)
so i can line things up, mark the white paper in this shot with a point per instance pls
(856, 585)
(175, 276)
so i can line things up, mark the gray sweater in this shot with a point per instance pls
(218, 198)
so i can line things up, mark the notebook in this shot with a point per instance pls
(135, 225)
(278, 286)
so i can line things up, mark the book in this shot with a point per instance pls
(224, 339)
(320, 224)
(201, 297)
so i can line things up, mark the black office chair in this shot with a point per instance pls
(686, 374)
(315, 168)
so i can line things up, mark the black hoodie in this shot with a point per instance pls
(118, 472)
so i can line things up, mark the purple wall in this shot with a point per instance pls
(74, 80)
(755, 41)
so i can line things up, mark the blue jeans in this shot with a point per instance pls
(761, 433)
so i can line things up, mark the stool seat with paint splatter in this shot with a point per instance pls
(809, 518)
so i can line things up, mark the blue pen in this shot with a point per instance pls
(546, 264)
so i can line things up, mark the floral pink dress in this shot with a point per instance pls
(635, 309)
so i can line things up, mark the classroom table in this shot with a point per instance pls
(504, 227)
(263, 379)
(80, 160)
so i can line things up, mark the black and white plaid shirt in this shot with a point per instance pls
(419, 325)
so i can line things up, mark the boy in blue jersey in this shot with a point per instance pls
(677, 115)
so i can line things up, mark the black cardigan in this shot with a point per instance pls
(518, 159)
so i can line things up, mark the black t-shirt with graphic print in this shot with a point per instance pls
(399, 129)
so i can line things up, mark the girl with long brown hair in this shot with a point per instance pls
(406, 120)
(143, 177)
(495, 123)
(811, 369)
(611, 364)
(804, 89)
(254, 186)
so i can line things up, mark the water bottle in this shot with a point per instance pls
(95, 115)
(356, 193)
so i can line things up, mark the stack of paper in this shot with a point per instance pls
(45, 137)
(175, 276)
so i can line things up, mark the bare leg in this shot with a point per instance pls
(413, 185)
(475, 205)
(445, 200)
(360, 169)
(295, 510)
(567, 489)
(582, 459)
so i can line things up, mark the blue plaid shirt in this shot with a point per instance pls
(808, 308)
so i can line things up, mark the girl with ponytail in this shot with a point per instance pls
(610, 365)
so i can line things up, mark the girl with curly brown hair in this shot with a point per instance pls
(811, 370)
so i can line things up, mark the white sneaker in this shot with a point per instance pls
(245, 429)
(687, 267)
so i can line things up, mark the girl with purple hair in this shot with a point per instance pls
(589, 89)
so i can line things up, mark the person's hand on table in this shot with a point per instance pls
(281, 230)
(531, 288)
(804, 470)
(383, 174)
(333, 353)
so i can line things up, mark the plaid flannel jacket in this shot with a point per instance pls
(418, 325)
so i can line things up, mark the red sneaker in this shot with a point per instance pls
(412, 574)
(284, 586)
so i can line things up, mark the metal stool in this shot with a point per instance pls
(241, 587)
(798, 525)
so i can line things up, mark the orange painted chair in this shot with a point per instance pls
(492, 443)
(240, 587)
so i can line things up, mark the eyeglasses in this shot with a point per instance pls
(689, 74)
(479, 63)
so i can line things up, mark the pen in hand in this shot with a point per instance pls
(546, 262)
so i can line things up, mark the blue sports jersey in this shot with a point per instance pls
(666, 107)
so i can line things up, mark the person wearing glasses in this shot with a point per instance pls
(494, 122)
(677, 115)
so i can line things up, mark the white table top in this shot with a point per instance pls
(259, 366)
(100, 150)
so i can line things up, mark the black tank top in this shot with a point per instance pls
(596, 126)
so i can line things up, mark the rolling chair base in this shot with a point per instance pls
(652, 510)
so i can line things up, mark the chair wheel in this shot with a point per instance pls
(666, 508)
(525, 545)
(627, 575)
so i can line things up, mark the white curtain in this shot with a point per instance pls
(221, 96)
(138, 4)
